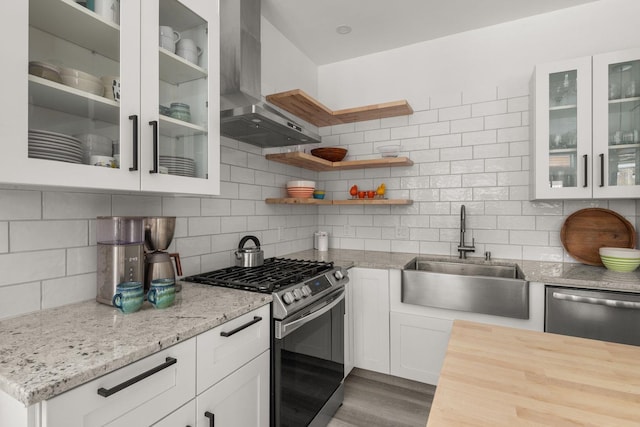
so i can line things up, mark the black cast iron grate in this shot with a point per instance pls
(273, 274)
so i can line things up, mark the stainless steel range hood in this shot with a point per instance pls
(243, 114)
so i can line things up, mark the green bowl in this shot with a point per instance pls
(623, 265)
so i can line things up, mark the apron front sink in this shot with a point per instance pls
(496, 289)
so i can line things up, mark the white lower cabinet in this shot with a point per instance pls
(139, 404)
(418, 346)
(227, 347)
(420, 335)
(239, 400)
(231, 363)
(370, 318)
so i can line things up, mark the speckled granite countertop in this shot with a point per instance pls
(46, 353)
(557, 273)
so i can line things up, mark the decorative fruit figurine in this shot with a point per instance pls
(354, 191)
(361, 194)
(371, 194)
(380, 191)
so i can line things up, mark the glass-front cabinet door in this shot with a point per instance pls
(80, 92)
(616, 124)
(562, 140)
(179, 93)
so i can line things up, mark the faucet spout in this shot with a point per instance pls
(462, 247)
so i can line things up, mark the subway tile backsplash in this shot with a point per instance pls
(468, 148)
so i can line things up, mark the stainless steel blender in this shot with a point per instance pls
(120, 241)
(158, 233)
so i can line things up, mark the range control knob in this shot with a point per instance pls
(288, 298)
(338, 275)
(306, 291)
(297, 293)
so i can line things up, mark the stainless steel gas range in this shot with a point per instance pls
(307, 351)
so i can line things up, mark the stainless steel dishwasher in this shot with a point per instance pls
(596, 314)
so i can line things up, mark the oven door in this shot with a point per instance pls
(308, 368)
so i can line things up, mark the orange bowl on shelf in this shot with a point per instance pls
(332, 154)
(300, 192)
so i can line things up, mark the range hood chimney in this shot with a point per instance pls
(243, 114)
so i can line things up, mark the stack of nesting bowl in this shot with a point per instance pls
(301, 189)
(620, 259)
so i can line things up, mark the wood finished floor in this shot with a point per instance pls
(372, 399)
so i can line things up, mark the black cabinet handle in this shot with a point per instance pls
(212, 418)
(586, 165)
(154, 124)
(135, 142)
(601, 169)
(256, 319)
(104, 392)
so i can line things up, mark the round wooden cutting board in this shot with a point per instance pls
(586, 231)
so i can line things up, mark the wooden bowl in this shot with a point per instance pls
(332, 154)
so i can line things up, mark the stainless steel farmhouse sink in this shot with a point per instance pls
(497, 289)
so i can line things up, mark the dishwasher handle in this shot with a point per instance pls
(598, 301)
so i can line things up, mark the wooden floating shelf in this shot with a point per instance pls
(299, 103)
(311, 201)
(317, 164)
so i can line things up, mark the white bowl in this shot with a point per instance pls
(95, 145)
(389, 150)
(311, 184)
(624, 253)
(85, 85)
(104, 161)
(72, 72)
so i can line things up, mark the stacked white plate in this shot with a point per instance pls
(182, 166)
(54, 146)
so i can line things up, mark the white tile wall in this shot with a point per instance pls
(469, 148)
(472, 149)
(47, 238)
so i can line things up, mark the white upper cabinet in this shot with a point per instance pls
(88, 87)
(586, 124)
(616, 125)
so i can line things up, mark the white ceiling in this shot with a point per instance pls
(380, 25)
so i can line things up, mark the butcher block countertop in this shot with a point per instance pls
(498, 376)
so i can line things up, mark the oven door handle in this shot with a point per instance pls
(284, 328)
(598, 301)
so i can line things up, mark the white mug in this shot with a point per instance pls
(187, 49)
(186, 44)
(169, 38)
(108, 9)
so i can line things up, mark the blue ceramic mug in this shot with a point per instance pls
(162, 293)
(129, 297)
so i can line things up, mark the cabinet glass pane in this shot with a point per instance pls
(74, 64)
(183, 91)
(563, 130)
(624, 123)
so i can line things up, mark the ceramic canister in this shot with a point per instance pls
(321, 241)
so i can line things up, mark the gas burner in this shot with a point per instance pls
(273, 274)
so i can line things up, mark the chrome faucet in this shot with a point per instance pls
(462, 247)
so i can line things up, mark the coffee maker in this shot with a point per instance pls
(158, 233)
(120, 242)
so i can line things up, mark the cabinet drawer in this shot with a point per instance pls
(141, 403)
(225, 348)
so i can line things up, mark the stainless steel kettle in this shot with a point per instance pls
(249, 257)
